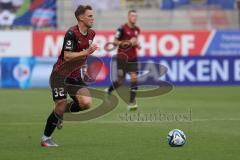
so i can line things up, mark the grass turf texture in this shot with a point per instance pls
(212, 132)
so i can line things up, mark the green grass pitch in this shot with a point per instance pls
(212, 128)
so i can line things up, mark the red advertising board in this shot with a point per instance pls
(47, 44)
(153, 43)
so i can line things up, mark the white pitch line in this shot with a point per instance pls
(203, 120)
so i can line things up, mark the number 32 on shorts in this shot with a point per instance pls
(58, 92)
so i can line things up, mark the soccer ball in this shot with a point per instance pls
(176, 138)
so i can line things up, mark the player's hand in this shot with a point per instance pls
(134, 41)
(92, 48)
(138, 46)
(84, 74)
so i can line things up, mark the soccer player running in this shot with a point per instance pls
(127, 62)
(77, 46)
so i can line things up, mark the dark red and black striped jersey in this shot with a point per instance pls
(126, 33)
(75, 41)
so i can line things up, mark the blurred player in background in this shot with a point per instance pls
(77, 46)
(127, 57)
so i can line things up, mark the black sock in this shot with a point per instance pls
(114, 85)
(72, 107)
(51, 124)
(133, 92)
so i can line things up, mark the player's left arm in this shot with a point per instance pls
(84, 70)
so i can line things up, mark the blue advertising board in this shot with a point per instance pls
(179, 71)
(224, 43)
(186, 71)
(16, 72)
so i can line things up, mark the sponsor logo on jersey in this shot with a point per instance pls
(69, 44)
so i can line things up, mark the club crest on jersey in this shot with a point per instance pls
(136, 33)
(90, 42)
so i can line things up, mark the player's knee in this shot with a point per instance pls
(134, 77)
(85, 103)
(60, 106)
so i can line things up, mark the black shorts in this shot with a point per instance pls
(127, 66)
(61, 86)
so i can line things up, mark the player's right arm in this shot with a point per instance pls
(118, 36)
(70, 45)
